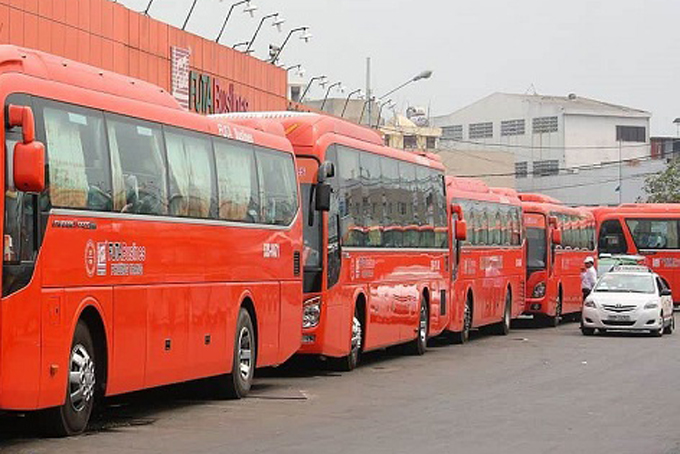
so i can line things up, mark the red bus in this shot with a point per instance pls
(651, 230)
(487, 273)
(375, 268)
(559, 238)
(143, 245)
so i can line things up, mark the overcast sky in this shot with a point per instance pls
(620, 51)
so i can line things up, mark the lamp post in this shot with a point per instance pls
(328, 91)
(306, 36)
(148, 6)
(250, 8)
(241, 44)
(277, 23)
(191, 11)
(363, 109)
(311, 81)
(387, 103)
(422, 75)
(344, 108)
(676, 122)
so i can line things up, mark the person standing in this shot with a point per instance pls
(588, 276)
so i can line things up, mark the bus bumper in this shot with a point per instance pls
(331, 336)
(536, 306)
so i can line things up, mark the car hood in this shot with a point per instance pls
(622, 297)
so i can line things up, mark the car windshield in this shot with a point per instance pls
(626, 283)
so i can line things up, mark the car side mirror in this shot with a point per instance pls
(29, 154)
(323, 197)
(666, 292)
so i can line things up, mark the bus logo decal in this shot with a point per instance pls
(90, 258)
(271, 250)
(101, 259)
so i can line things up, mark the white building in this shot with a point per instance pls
(552, 136)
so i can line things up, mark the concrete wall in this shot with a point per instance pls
(480, 164)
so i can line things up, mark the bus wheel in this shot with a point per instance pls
(349, 363)
(462, 337)
(72, 417)
(236, 385)
(503, 328)
(419, 344)
(555, 321)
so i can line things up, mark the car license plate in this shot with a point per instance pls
(619, 318)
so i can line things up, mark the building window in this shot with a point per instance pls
(431, 143)
(410, 142)
(631, 134)
(452, 132)
(546, 167)
(512, 128)
(521, 169)
(544, 124)
(481, 130)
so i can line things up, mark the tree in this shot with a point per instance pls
(664, 187)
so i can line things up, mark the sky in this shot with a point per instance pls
(619, 51)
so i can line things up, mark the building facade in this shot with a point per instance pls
(551, 137)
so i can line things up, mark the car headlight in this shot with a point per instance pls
(589, 303)
(539, 290)
(311, 312)
(652, 305)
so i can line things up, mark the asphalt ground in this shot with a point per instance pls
(537, 390)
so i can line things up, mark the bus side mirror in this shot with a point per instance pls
(556, 237)
(29, 154)
(326, 170)
(323, 197)
(461, 230)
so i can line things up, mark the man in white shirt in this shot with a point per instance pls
(588, 277)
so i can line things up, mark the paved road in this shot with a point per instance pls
(535, 391)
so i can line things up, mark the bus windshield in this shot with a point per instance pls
(536, 248)
(654, 233)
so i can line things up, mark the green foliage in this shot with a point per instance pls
(664, 187)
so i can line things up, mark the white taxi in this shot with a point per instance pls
(630, 298)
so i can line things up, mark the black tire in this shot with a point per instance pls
(503, 328)
(554, 321)
(461, 337)
(659, 332)
(237, 384)
(671, 326)
(419, 345)
(602, 330)
(81, 390)
(587, 331)
(349, 363)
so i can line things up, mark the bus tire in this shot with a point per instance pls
(554, 321)
(349, 363)
(461, 337)
(503, 328)
(237, 384)
(419, 345)
(81, 387)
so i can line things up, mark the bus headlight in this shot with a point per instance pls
(311, 312)
(539, 290)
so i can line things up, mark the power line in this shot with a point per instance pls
(547, 147)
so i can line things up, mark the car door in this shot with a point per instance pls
(666, 301)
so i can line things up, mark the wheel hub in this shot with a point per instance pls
(82, 378)
(245, 353)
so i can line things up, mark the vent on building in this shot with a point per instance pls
(481, 130)
(452, 132)
(512, 128)
(544, 124)
(521, 169)
(546, 167)
(631, 134)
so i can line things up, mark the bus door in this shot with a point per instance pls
(307, 169)
(537, 254)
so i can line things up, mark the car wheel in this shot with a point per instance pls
(72, 417)
(671, 326)
(587, 331)
(659, 332)
(602, 331)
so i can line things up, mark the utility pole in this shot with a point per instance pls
(368, 88)
(620, 183)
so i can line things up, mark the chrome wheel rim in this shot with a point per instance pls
(81, 378)
(356, 335)
(507, 315)
(245, 353)
(467, 319)
(423, 324)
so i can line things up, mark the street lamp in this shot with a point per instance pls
(250, 9)
(676, 122)
(148, 6)
(344, 108)
(389, 105)
(306, 36)
(322, 82)
(300, 69)
(278, 22)
(191, 10)
(422, 75)
(328, 91)
(241, 44)
(363, 109)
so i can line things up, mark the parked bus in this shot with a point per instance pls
(487, 272)
(559, 238)
(143, 245)
(375, 265)
(650, 230)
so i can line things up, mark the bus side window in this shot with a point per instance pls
(278, 186)
(611, 238)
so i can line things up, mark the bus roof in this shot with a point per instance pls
(638, 210)
(307, 131)
(475, 189)
(50, 67)
(538, 198)
(540, 203)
